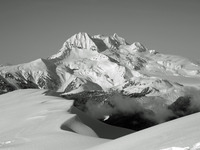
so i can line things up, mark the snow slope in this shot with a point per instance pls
(29, 119)
(32, 119)
(183, 132)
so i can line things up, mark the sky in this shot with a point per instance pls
(32, 29)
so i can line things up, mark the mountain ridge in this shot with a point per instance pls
(97, 58)
(137, 83)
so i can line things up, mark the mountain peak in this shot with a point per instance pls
(137, 46)
(119, 39)
(81, 40)
(115, 35)
(81, 35)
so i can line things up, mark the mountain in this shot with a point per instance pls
(110, 79)
(99, 62)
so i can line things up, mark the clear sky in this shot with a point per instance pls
(31, 29)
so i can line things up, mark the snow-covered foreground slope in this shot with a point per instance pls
(29, 119)
(173, 135)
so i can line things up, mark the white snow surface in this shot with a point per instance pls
(178, 134)
(29, 119)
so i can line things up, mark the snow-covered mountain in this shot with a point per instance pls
(108, 64)
(121, 88)
(100, 63)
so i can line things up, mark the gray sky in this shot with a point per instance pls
(31, 29)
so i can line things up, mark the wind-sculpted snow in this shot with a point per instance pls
(31, 120)
(35, 119)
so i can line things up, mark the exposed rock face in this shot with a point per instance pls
(182, 107)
